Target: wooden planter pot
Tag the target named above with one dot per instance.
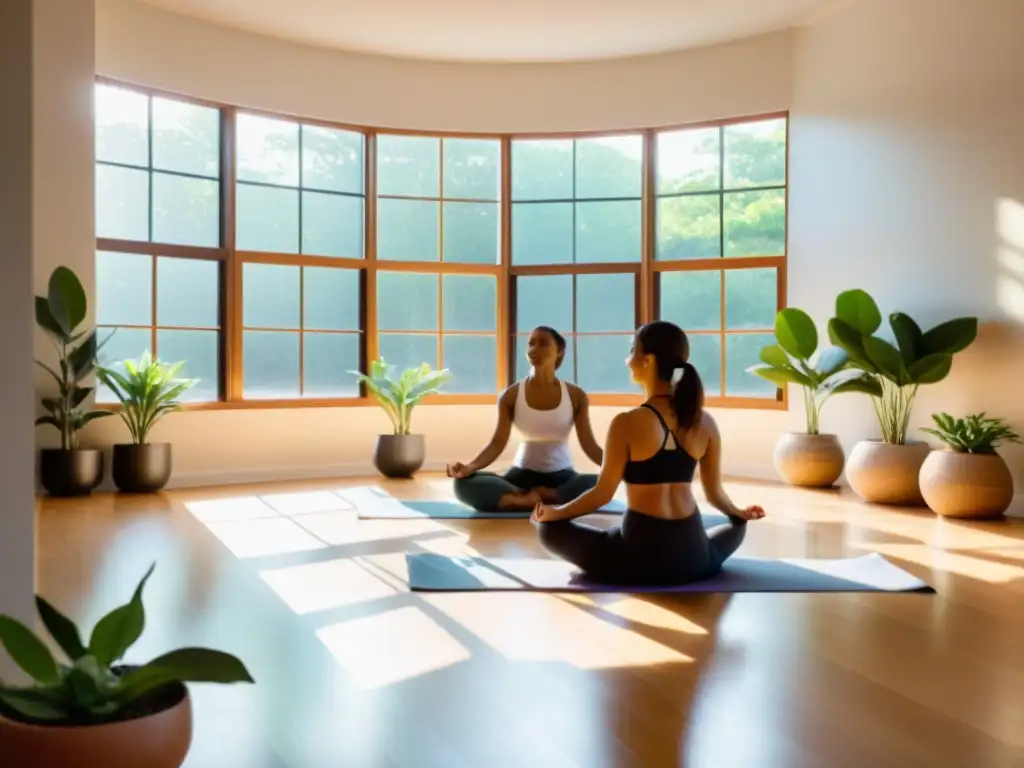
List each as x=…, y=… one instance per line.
x=810, y=461
x=966, y=485
x=884, y=473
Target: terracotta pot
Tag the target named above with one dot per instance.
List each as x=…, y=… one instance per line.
x=966, y=484
x=883, y=473
x=156, y=741
x=810, y=461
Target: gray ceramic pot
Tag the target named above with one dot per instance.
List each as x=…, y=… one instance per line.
x=74, y=472
x=399, y=456
x=141, y=468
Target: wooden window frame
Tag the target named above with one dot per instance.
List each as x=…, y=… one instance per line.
x=646, y=270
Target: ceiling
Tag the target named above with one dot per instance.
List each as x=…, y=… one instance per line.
x=504, y=30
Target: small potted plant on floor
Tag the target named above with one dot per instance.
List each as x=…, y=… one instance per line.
x=968, y=479
x=808, y=458
x=886, y=471
x=148, y=390
x=94, y=711
x=69, y=470
x=400, y=454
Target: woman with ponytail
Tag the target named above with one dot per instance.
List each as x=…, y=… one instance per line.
x=655, y=449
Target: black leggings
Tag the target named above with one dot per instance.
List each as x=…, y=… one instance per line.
x=483, y=490
x=645, y=549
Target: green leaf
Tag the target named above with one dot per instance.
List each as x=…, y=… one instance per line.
x=781, y=376
x=187, y=665
x=950, y=337
x=866, y=385
x=930, y=369
x=28, y=651
x=32, y=704
x=850, y=341
x=61, y=629
x=66, y=299
x=858, y=310
x=53, y=373
x=45, y=319
x=118, y=630
x=796, y=333
x=831, y=360
x=775, y=356
x=887, y=359
x=908, y=336
x=83, y=357
x=50, y=420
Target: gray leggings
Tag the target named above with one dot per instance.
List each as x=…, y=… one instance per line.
x=483, y=490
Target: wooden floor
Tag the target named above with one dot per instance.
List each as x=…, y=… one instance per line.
x=354, y=670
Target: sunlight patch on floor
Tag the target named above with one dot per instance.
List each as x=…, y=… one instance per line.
x=258, y=538
x=228, y=509
x=316, y=587
x=541, y=628
x=959, y=564
x=305, y=503
x=345, y=528
x=636, y=611
x=390, y=647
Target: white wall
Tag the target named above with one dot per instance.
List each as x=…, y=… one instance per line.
x=139, y=44
x=907, y=180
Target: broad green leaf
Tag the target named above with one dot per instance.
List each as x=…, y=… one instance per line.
x=66, y=298
x=28, y=651
x=781, y=376
x=83, y=357
x=61, y=629
x=850, y=341
x=32, y=704
x=908, y=336
x=53, y=373
x=831, y=360
x=886, y=359
x=46, y=320
x=858, y=310
x=950, y=337
x=187, y=665
x=867, y=385
x=774, y=355
x=930, y=369
x=116, y=632
x=50, y=420
x=796, y=333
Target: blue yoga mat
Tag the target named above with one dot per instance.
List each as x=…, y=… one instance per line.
x=378, y=504
x=868, y=573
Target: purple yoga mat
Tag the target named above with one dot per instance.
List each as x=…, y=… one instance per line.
x=868, y=573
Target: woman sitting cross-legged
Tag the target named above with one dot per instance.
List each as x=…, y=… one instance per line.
x=655, y=449
x=544, y=410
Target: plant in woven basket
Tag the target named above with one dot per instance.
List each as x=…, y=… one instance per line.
x=977, y=433
x=93, y=688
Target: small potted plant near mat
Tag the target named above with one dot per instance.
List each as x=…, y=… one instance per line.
x=809, y=458
x=94, y=711
x=69, y=470
x=400, y=454
x=886, y=471
x=148, y=390
x=968, y=478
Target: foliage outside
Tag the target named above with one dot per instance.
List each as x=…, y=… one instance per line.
x=976, y=433
x=148, y=390
x=399, y=397
x=895, y=372
x=789, y=362
x=59, y=314
x=93, y=689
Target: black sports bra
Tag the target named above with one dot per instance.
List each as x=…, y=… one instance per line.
x=668, y=465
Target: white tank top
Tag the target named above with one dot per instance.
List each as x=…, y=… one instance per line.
x=545, y=434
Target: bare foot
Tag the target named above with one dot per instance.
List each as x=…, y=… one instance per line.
x=526, y=500
x=547, y=495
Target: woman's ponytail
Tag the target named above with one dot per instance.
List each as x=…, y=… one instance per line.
x=687, y=396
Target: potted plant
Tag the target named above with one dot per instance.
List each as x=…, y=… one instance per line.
x=808, y=458
x=95, y=712
x=886, y=471
x=148, y=390
x=968, y=479
x=69, y=470
x=400, y=454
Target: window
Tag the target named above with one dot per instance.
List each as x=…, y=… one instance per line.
x=158, y=226
x=577, y=224
x=438, y=216
x=721, y=245
x=273, y=255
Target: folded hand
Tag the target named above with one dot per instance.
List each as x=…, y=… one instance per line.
x=458, y=470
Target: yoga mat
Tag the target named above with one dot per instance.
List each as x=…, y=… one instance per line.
x=868, y=573
x=377, y=504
